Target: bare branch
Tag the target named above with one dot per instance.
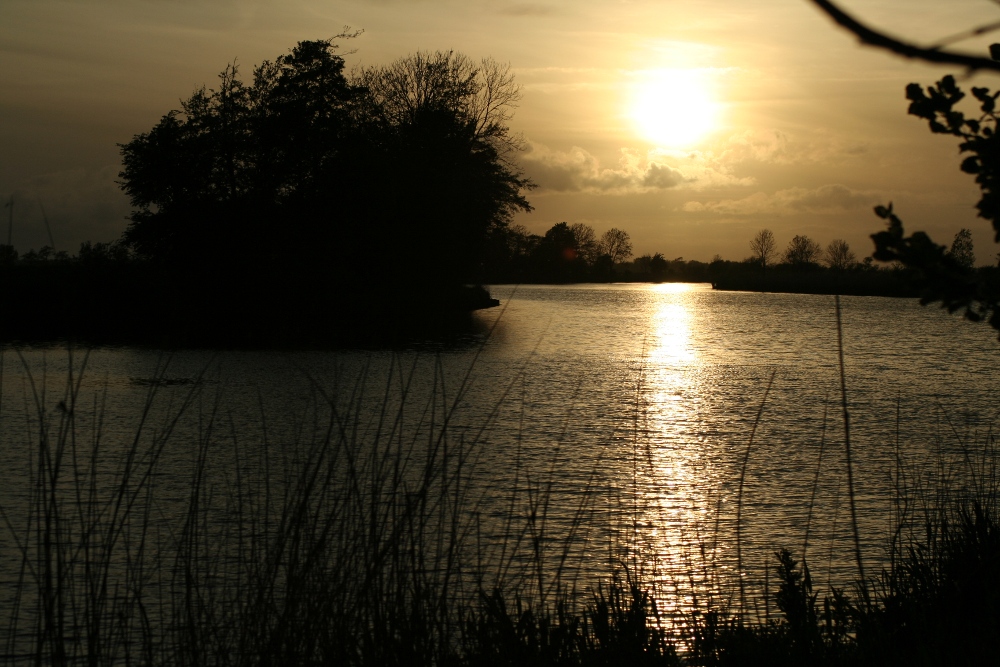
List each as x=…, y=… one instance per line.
x=966, y=34
x=881, y=40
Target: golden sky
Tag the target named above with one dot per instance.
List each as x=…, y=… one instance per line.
x=791, y=125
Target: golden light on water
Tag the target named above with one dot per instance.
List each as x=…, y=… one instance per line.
x=672, y=326
x=670, y=487
x=674, y=108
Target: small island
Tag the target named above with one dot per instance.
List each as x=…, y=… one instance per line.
x=305, y=206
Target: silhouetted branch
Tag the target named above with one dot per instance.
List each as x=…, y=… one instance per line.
x=881, y=40
x=966, y=34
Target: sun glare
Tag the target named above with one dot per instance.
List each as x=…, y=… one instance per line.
x=674, y=108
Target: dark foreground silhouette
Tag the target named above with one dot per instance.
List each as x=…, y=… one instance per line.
x=140, y=303
x=304, y=205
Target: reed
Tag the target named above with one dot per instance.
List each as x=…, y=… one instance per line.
x=367, y=539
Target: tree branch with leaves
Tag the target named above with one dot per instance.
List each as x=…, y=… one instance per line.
x=947, y=277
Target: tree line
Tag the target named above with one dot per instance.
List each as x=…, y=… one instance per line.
x=803, y=252
x=574, y=253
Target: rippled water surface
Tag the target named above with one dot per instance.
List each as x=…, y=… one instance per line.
x=630, y=407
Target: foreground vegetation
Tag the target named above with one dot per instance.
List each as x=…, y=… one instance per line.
x=365, y=541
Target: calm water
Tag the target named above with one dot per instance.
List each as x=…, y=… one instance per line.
x=631, y=405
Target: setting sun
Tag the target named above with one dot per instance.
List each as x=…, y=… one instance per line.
x=674, y=108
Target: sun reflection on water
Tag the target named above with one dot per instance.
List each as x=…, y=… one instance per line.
x=672, y=326
x=673, y=476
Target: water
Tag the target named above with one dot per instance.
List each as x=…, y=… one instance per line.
x=629, y=407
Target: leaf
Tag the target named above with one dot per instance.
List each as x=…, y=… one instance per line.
x=983, y=95
x=915, y=92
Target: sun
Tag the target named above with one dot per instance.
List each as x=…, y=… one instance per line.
x=674, y=108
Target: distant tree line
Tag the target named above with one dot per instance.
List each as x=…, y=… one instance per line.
x=566, y=253
x=805, y=266
x=803, y=252
x=575, y=253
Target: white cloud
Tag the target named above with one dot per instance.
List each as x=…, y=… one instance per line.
x=833, y=198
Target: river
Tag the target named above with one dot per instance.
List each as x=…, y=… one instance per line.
x=647, y=419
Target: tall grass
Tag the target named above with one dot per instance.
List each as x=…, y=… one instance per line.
x=360, y=542
x=367, y=539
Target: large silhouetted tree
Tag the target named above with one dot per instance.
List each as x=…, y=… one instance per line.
x=441, y=121
x=222, y=175
x=560, y=254
x=396, y=171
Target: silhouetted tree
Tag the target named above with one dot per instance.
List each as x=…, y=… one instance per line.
x=562, y=254
x=92, y=253
x=616, y=244
x=802, y=250
x=509, y=254
x=839, y=256
x=448, y=153
x=655, y=266
x=43, y=254
x=763, y=247
x=520, y=242
x=586, y=242
x=483, y=94
x=962, y=250
x=236, y=167
x=402, y=172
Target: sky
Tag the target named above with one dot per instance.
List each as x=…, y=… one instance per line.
x=689, y=124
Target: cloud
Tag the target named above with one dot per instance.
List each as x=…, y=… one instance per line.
x=662, y=176
x=833, y=198
x=774, y=147
x=577, y=170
